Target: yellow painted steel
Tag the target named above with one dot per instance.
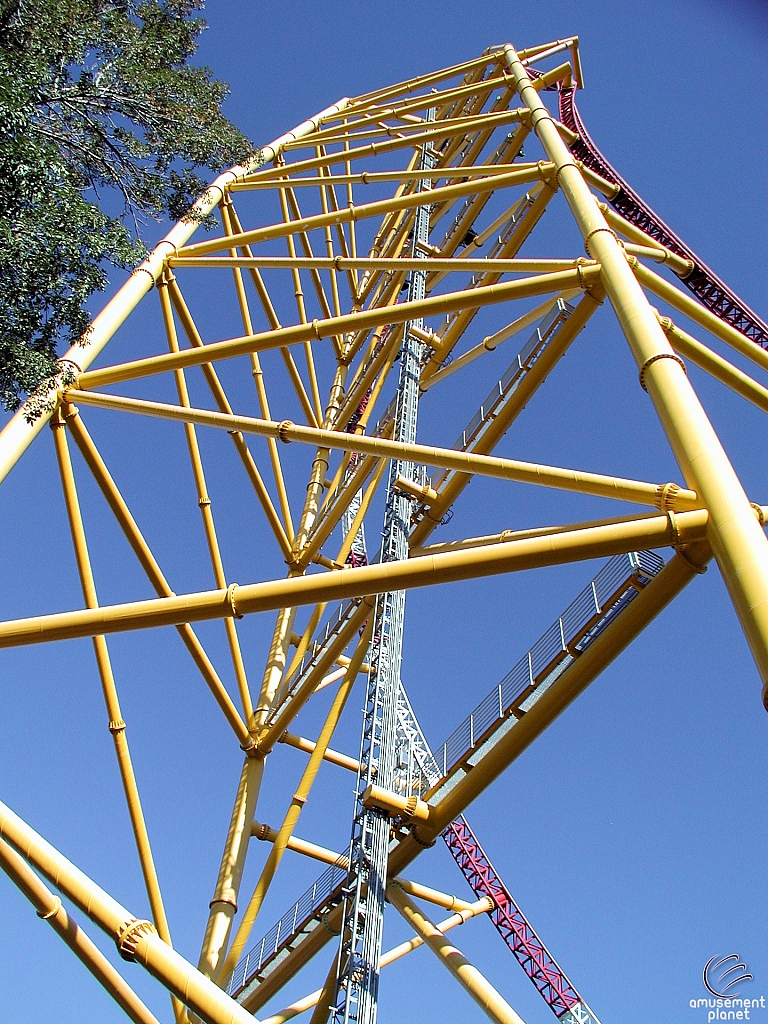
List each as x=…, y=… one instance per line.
x=490, y=1001
x=51, y=909
x=481, y=906
x=445, y=458
x=737, y=540
x=541, y=284
x=298, y=801
x=427, y=570
x=692, y=349
x=136, y=940
x=332, y=756
x=700, y=315
x=676, y=575
x=223, y=906
x=283, y=530
x=339, y=263
x=350, y=326
x=116, y=726
x=267, y=834
x=204, y=504
x=228, y=215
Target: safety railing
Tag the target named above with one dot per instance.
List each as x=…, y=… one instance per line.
x=290, y=924
x=510, y=381
x=315, y=651
x=617, y=583
x=598, y=604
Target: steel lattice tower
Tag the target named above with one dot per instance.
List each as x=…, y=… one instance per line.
x=377, y=241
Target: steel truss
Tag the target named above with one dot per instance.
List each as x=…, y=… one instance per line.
x=379, y=235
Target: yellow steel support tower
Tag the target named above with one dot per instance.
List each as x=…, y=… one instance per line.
x=374, y=256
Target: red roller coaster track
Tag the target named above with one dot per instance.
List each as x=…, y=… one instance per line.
x=703, y=282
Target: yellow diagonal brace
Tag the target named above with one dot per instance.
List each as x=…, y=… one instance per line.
x=540, y=284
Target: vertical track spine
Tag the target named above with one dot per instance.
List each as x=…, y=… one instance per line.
x=360, y=946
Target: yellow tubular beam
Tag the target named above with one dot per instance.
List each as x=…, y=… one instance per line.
x=596, y=180
x=269, y=835
x=204, y=504
x=485, y=995
x=540, y=284
x=332, y=756
x=715, y=365
x=376, y=209
x=285, y=716
x=227, y=215
x=422, y=82
x=446, y=458
x=319, y=472
x=104, y=664
x=689, y=307
x=307, y=249
x=50, y=909
x=737, y=540
x=325, y=997
x=428, y=570
x=539, y=531
x=233, y=228
x=274, y=670
x=492, y=341
x=296, y=806
x=682, y=267
x=246, y=458
x=344, y=263
x=329, y=249
x=562, y=73
x=351, y=249
x=482, y=906
x=147, y=560
x=326, y=179
x=535, y=377
x=425, y=892
x=345, y=249
x=287, y=195
x=137, y=940
x=223, y=906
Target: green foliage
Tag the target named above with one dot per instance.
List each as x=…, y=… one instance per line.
x=103, y=124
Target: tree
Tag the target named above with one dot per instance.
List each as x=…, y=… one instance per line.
x=103, y=124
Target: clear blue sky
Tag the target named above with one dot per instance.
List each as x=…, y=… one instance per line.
x=633, y=832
